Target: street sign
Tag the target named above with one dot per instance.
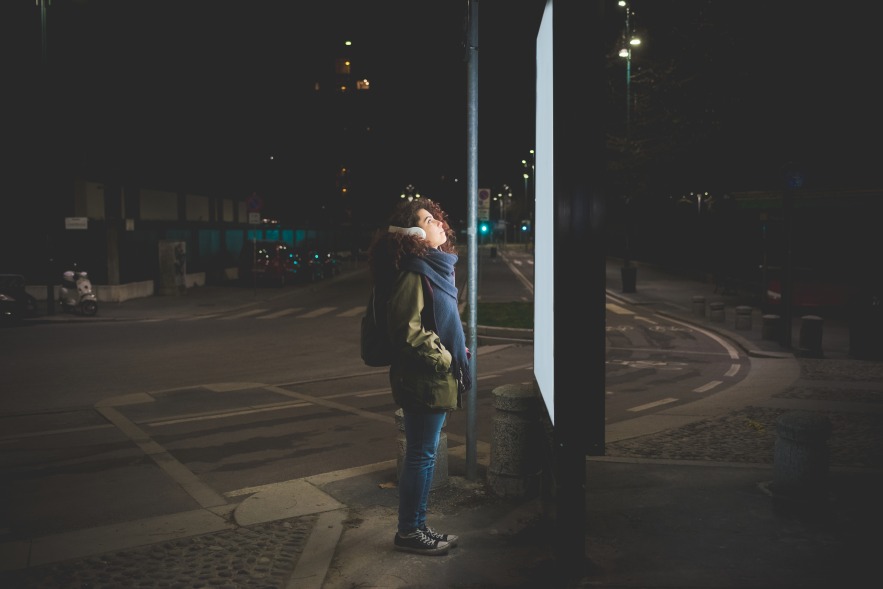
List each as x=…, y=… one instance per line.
x=484, y=204
x=76, y=222
x=254, y=203
x=254, y=218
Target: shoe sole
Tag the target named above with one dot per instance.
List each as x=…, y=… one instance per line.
x=424, y=551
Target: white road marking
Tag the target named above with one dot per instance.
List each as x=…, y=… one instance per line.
x=316, y=313
x=653, y=404
x=281, y=313
x=708, y=386
x=244, y=314
x=225, y=414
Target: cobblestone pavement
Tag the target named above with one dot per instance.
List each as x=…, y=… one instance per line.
x=261, y=556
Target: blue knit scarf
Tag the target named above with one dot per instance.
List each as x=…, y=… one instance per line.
x=438, y=267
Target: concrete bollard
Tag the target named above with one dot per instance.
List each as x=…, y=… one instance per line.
x=699, y=306
x=716, y=312
x=770, y=327
x=743, y=317
x=800, y=478
x=440, y=475
x=810, y=345
x=514, y=469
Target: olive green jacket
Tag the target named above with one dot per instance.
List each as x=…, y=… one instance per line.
x=420, y=374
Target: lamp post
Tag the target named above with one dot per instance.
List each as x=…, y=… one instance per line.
x=628, y=272
x=629, y=41
x=502, y=196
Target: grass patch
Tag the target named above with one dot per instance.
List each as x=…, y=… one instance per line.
x=513, y=314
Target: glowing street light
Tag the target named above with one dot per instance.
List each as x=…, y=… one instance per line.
x=629, y=41
x=410, y=193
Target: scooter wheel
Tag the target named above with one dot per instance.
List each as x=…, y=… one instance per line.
x=89, y=307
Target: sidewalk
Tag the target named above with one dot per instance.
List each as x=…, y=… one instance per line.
x=680, y=500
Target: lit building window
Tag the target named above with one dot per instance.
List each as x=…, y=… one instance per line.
x=363, y=84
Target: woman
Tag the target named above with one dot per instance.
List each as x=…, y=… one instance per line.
x=412, y=265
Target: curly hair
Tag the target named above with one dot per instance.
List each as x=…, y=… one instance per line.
x=387, y=249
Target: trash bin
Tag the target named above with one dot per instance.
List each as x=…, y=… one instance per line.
x=629, y=278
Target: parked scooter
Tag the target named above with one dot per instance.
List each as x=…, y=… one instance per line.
x=75, y=294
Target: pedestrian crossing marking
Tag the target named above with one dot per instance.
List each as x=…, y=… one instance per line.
x=248, y=313
x=354, y=312
x=618, y=310
x=317, y=313
x=281, y=313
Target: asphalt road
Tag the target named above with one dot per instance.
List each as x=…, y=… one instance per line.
x=158, y=407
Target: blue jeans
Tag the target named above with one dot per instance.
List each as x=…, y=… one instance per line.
x=422, y=431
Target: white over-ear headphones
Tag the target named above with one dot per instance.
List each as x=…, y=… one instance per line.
x=418, y=231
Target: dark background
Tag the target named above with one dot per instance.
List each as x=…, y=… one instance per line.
x=200, y=93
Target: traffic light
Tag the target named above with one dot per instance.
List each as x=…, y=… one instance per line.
x=525, y=226
x=484, y=227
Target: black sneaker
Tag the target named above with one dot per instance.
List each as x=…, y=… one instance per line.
x=419, y=543
x=451, y=539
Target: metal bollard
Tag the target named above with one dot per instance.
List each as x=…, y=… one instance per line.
x=717, y=313
x=770, y=327
x=801, y=459
x=440, y=475
x=699, y=305
x=743, y=317
x=514, y=469
x=810, y=345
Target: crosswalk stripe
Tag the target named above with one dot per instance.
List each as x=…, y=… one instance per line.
x=618, y=310
x=281, y=313
x=316, y=313
x=244, y=314
x=354, y=312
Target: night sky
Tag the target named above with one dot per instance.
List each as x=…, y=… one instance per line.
x=208, y=89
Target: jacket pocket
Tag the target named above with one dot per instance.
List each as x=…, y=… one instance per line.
x=427, y=390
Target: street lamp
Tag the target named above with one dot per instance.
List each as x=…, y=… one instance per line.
x=410, y=193
x=528, y=172
x=629, y=41
x=505, y=193
x=699, y=198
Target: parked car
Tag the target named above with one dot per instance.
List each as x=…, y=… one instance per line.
x=322, y=263
x=15, y=302
x=271, y=262
x=331, y=262
x=314, y=262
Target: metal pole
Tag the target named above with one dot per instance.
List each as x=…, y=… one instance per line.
x=472, y=233
x=628, y=72
x=45, y=41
